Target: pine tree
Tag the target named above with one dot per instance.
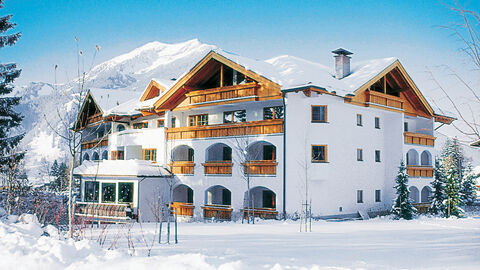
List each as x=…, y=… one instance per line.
x=9, y=118
x=468, y=191
x=452, y=188
x=438, y=194
x=403, y=208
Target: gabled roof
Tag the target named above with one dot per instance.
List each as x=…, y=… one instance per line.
x=154, y=89
x=177, y=90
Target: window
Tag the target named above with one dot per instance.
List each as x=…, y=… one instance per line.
x=359, y=120
x=227, y=153
x=150, y=154
x=405, y=126
x=235, y=116
x=377, y=122
x=268, y=152
x=378, y=195
x=359, y=154
x=161, y=123
x=125, y=192
x=319, y=114
x=174, y=122
x=140, y=125
x=273, y=113
x=319, y=153
x=359, y=196
x=108, y=192
x=117, y=155
x=120, y=127
x=377, y=155
x=90, y=193
x=198, y=120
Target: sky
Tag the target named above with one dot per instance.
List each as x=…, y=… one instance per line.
x=409, y=30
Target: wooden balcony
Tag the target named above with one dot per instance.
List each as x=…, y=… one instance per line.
x=95, y=143
x=384, y=99
x=217, y=211
x=224, y=130
x=260, y=167
x=417, y=138
x=94, y=118
x=218, y=167
x=182, y=167
x=102, y=211
x=419, y=171
x=183, y=209
x=248, y=90
x=422, y=208
x=265, y=213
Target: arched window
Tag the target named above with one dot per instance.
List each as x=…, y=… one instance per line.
x=86, y=157
x=218, y=152
x=426, y=194
x=426, y=158
x=120, y=127
x=261, y=150
x=182, y=153
x=414, y=194
x=412, y=157
x=95, y=156
x=218, y=195
x=183, y=194
x=260, y=197
x=105, y=155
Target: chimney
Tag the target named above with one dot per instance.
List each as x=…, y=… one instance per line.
x=342, y=63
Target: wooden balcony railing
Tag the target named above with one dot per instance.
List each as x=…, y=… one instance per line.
x=420, y=139
x=422, y=208
x=217, y=211
x=182, y=167
x=94, y=118
x=223, y=93
x=260, y=167
x=183, y=209
x=224, y=130
x=102, y=211
x=384, y=99
x=95, y=143
x=419, y=171
x=218, y=167
x=265, y=213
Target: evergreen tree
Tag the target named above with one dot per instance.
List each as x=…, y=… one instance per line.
x=60, y=176
x=438, y=194
x=452, y=188
x=9, y=119
x=402, y=207
x=468, y=192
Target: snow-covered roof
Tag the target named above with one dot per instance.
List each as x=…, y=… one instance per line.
x=137, y=168
x=108, y=98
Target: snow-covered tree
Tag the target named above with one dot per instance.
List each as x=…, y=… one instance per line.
x=438, y=185
x=59, y=174
x=452, y=188
x=468, y=191
x=402, y=207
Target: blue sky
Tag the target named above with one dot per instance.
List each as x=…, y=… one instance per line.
x=256, y=29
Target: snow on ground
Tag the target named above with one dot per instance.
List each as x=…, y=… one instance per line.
x=425, y=243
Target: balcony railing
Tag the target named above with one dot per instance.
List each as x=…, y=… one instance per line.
x=95, y=143
x=384, y=99
x=418, y=138
x=102, y=211
x=223, y=93
x=183, y=209
x=182, y=167
x=218, y=167
x=265, y=213
x=260, y=167
x=224, y=130
x=94, y=118
x=419, y=171
x=217, y=211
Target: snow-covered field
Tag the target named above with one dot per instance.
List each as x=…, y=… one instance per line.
x=425, y=243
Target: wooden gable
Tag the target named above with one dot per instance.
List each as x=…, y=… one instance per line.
x=393, y=89
x=154, y=89
x=90, y=113
x=217, y=80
